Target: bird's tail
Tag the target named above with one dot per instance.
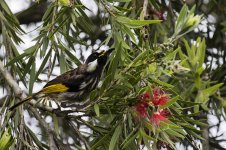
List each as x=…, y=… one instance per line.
x=21, y=102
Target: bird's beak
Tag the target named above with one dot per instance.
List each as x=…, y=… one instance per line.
x=108, y=52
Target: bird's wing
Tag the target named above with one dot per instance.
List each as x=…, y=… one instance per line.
x=69, y=81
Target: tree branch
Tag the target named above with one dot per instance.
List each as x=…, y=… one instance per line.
x=12, y=83
x=145, y=8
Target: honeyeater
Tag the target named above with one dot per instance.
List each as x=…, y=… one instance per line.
x=74, y=85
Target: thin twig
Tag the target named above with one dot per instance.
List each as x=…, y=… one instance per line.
x=145, y=8
x=107, y=9
x=12, y=83
x=21, y=130
x=80, y=136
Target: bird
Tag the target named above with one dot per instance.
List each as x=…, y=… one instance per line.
x=74, y=85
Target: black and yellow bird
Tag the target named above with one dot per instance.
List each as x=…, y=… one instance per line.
x=74, y=85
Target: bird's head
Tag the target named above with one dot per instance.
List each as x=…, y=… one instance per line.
x=97, y=59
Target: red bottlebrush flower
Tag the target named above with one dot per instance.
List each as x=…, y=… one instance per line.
x=141, y=109
x=145, y=97
x=159, y=98
x=156, y=118
x=142, y=105
x=156, y=92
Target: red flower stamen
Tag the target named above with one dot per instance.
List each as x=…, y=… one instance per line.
x=141, y=109
x=156, y=118
x=145, y=97
x=159, y=97
x=142, y=105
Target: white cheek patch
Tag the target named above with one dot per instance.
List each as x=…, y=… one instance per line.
x=92, y=66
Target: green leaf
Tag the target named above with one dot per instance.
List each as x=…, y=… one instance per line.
x=84, y=22
x=115, y=137
x=32, y=78
x=5, y=7
x=195, y=135
x=116, y=59
x=35, y=139
x=135, y=23
x=212, y=90
x=16, y=59
x=6, y=140
x=48, y=12
x=64, y=2
x=174, y=133
x=45, y=45
x=154, y=3
x=59, y=27
x=97, y=110
x=186, y=125
x=187, y=102
x=170, y=102
x=181, y=19
x=201, y=51
x=143, y=22
x=72, y=57
x=129, y=139
x=101, y=141
x=43, y=64
x=130, y=33
x=172, y=55
x=203, y=95
x=63, y=65
x=198, y=122
x=106, y=83
x=123, y=19
x=161, y=82
x=56, y=124
x=28, y=66
x=168, y=139
x=144, y=135
x=140, y=57
x=186, y=22
x=27, y=52
x=93, y=95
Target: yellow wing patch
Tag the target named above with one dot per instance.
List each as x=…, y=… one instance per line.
x=55, y=88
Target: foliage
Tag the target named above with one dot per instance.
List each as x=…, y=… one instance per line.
x=154, y=57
